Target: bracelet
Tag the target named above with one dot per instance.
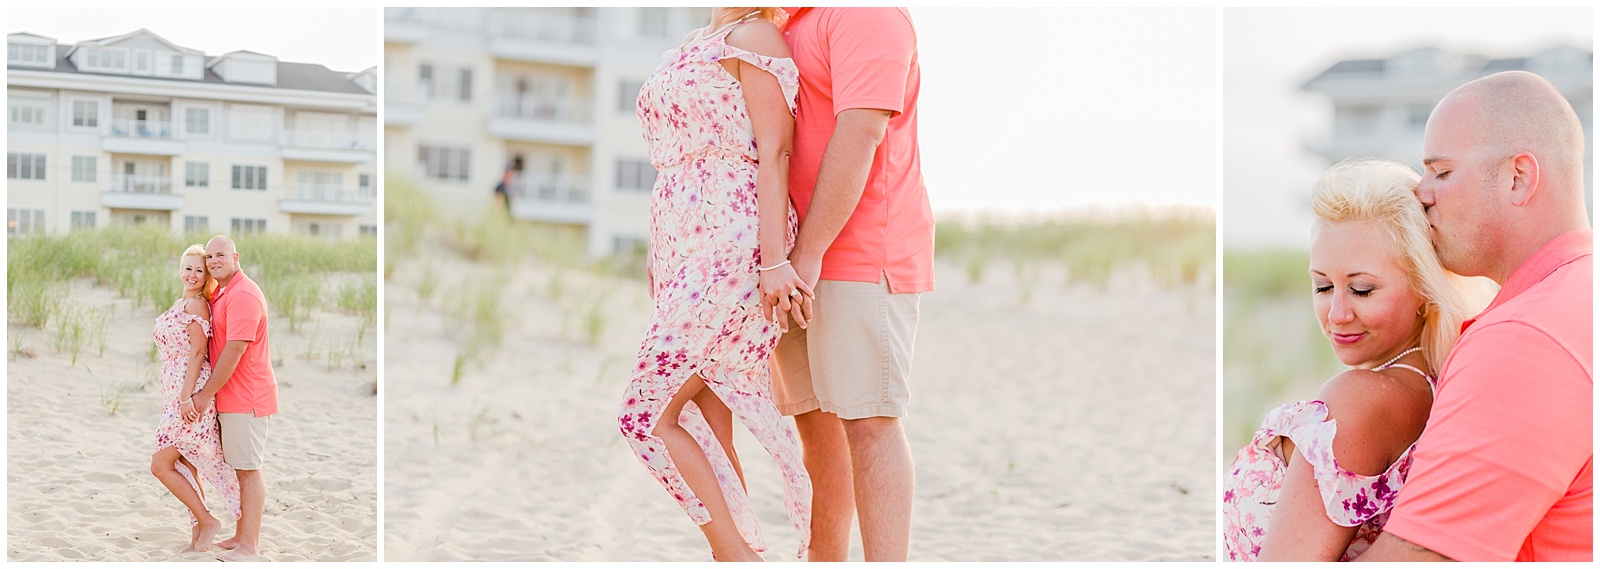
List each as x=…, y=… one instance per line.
x=189, y=400
x=765, y=269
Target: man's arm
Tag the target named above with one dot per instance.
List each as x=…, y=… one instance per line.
x=221, y=371
x=1390, y=547
x=846, y=163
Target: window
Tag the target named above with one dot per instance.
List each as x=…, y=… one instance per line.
x=84, y=168
x=628, y=96
x=635, y=175
x=197, y=121
x=34, y=55
x=444, y=163
x=197, y=174
x=248, y=226
x=195, y=223
x=141, y=61
x=425, y=79
x=249, y=177
x=319, y=229
x=465, y=91
x=24, y=221
x=176, y=62
x=110, y=59
x=24, y=166
x=369, y=230
x=26, y=111
x=86, y=113
x=82, y=221
x=364, y=186
x=653, y=22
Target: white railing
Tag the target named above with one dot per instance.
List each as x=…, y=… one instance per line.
x=547, y=109
x=550, y=189
x=135, y=128
x=545, y=26
x=325, y=139
x=327, y=193
x=141, y=184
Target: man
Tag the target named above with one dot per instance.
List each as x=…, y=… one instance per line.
x=243, y=388
x=866, y=247
x=1503, y=470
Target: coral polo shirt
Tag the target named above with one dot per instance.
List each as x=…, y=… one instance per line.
x=864, y=58
x=239, y=312
x=1503, y=470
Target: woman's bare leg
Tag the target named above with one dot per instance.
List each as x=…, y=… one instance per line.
x=164, y=465
x=720, y=418
x=722, y=533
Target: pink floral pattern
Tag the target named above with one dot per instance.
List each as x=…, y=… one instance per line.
x=1255, y=480
x=200, y=443
x=704, y=254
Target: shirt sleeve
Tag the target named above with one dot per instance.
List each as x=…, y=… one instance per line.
x=244, y=317
x=870, y=52
x=1508, y=434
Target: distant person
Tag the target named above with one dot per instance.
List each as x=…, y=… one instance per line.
x=1317, y=481
x=866, y=245
x=1504, y=470
x=718, y=121
x=188, y=448
x=243, y=389
x=508, y=179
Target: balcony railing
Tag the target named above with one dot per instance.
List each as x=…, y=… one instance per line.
x=545, y=26
x=135, y=128
x=325, y=140
x=543, y=109
x=141, y=184
x=328, y=194
x=551, y=189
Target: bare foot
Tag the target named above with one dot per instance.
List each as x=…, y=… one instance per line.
x=194, y=535
x=206, y=531
x=229, y=543
x=239, y=554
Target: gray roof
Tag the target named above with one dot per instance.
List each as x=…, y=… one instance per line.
x=299, y=76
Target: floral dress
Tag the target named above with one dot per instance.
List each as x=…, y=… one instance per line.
x=1255, y=480
x=200, y=442
x=704, y=254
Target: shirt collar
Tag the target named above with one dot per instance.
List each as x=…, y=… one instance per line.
x=1554, y=254
x=794, y=14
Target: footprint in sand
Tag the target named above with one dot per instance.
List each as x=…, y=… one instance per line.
x=105, y=477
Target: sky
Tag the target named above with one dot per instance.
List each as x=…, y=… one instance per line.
x=343, y=39
x=1268, y=53
x=1045, y=109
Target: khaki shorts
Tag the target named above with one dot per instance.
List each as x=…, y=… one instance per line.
x=244, y=440
x=854, y=358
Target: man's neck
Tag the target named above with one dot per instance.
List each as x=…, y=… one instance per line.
x=224, y=282
x=1517, y=256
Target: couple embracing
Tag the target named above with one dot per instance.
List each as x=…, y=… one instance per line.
x=1453, y=436
x=791, y=237
x=217, y=394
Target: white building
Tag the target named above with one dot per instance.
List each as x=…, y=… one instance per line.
x=468, y=90
x=1380, y=106
x=134, y=129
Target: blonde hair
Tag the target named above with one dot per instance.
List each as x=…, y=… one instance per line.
x=209, y=286
x=1382, y=192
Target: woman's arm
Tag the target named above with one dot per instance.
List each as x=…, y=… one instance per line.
x=774, y=132
x=198, y=342
x=1376, y=421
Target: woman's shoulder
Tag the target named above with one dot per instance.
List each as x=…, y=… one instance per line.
x=760, y=37
x=1378, y=415
x=197, y=307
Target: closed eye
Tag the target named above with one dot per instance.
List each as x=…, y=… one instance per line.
x=1323, y=289
x=1361, y=292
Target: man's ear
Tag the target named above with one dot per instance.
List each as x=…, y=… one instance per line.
x=1524, y=178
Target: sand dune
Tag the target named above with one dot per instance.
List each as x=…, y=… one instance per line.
x=1080, y=426
x=78, y=483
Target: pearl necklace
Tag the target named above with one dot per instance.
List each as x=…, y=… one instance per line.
x=1397, y=358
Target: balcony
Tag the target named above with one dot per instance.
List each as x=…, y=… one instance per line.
x=551, y=121
x=403, y=25
x=551, y=199
x=403, y=107
x=133, y=136
x=544, y=36
x=322, y=199
x=141, y=192
x=327, y=146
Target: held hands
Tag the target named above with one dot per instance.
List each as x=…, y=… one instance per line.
x=783, y=292
x=201, y=403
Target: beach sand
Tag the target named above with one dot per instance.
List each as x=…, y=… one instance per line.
x=1078, y=426
x=78, y=481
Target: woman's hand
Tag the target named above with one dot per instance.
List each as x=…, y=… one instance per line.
x=187, y=411
x=778, y=298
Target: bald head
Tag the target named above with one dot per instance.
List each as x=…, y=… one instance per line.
x=222, y=259
x=1517, y=111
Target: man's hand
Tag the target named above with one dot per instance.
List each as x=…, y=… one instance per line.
x=202, y=404
x=1390, y=547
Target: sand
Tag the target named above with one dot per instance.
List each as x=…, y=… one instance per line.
x=78, y=481
x=1077, y=426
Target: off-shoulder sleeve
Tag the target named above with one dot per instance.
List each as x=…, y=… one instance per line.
x=205, y=323
x=782, y=68
x=1350, y=499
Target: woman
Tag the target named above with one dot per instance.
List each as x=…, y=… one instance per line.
x=1319, y=478
x=718, y=116
x=186, y=450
